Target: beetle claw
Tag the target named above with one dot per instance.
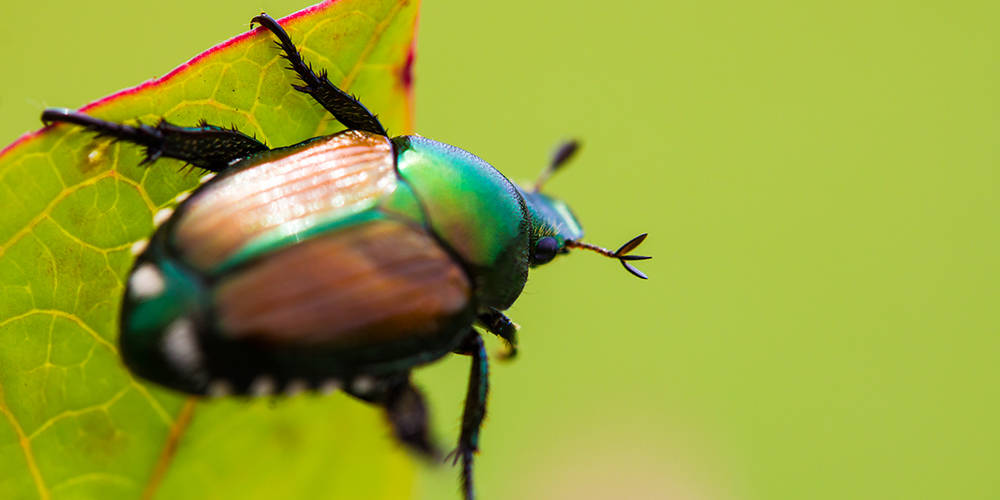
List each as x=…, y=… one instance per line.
x=457, y=454
x=508, y=354
x=453, y=457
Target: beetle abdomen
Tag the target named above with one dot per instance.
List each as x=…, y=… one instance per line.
x=370, y=284
x=283, y=196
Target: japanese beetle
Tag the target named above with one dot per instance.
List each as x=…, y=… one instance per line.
x=343, y=261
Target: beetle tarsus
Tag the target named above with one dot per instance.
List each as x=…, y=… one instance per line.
x=206, y=146
x=346, y=109
x=475, y=408
x=508, y=354
x=500, y=325
x=468, y=489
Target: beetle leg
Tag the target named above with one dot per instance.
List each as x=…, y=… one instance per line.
x=206, y=146
x=408, y=414
x=500, y=325
x=404, y=406
x=475, y=408
x=346, y=109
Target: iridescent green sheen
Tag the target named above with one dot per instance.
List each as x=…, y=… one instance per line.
x=278, y=239
x=402, y=203
x=472, y=207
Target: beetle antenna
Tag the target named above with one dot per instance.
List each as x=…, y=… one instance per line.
x=622, y=254
x=560, y=156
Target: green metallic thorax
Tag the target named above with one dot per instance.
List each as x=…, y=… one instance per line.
x=475, y=210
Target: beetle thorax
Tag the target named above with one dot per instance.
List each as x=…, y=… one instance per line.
x=478, y=213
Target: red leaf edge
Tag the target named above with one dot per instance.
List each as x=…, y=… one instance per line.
x=234, y=41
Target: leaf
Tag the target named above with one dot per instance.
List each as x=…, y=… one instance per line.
x=73, y=422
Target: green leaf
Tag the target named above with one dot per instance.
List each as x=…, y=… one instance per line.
x=73, y=421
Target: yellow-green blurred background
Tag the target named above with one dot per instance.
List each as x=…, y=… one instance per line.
x=819, y=185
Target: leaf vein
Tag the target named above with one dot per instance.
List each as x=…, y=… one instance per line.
x=29, y=456
x=78, y=241
x=54, y=419
x=93, y=477
x=157, y=407
x=63, y=314
x=48, y=209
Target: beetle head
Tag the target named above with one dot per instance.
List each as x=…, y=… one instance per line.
x=554, y=228
x=553, y=225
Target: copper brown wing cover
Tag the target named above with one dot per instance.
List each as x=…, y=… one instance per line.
x=282, y=192
x=372, y=283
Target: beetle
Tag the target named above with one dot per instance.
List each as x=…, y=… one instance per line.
x=341, y=262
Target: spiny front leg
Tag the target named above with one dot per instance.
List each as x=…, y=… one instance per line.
x=206, y=146
x=346, y=109
x=500, y=325
x=475, y=409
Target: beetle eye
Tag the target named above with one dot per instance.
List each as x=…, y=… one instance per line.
x=545, y=250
